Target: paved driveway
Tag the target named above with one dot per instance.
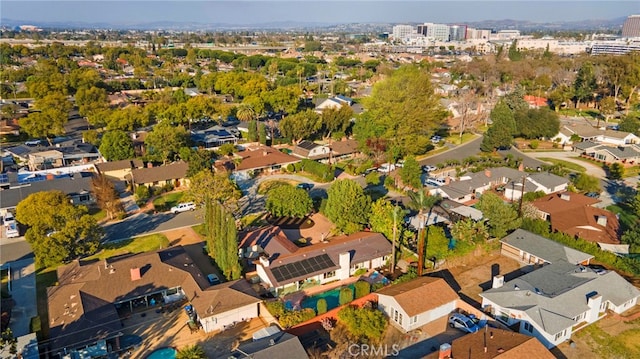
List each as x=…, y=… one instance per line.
x=23, y=291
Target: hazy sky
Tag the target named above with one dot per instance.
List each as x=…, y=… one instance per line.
x=326, y=11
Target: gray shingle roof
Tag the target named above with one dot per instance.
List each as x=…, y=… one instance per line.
x=586, y=145
x=544, y=248
x=554, y=294
x=78, y=183
x=621, y=152
x=277, y=346
x=549, y=180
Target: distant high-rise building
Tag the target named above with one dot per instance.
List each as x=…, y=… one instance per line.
x=457, y=32
x=631, y=27
x=434, y=31
x=400, y=32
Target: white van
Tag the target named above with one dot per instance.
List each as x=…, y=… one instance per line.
x=183, y=207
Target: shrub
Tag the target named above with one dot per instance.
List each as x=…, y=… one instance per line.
x=291, y=318
x=360, y=271
x=346, y=295
x=534, y=144
x=321, y=306
x=291, y=167
x=373, y=178
x=143, y=193
x=362, y=288
x=363, y=322
x=389, y=182
x=323, y=172
x=35, y=325
x=276, y=308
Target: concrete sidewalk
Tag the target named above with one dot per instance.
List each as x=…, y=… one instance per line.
x=23, y=291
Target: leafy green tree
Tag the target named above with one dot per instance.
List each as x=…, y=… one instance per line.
x=362, y=288
x=191, y=351
x=500, y=133
x=116, y=145
x=106, y=196
x=301, y=125
x=206, y=187
x=336, y=120
x=129, y=118
x=321, y=306
x=402, y=110
x=537, y=123
x=165, y=141
x=347, y=206
x=54, y=112
x=515, y=101
x=372, y=178
x=58, y=230
x=288, y=201
x=470, y=231
x=93, y=104
x=346, y=295
x=616, y=171
x=514, y=54
x=363, y=323
x=607, y=107
x=631, y=124
x=262, y=133
x=410, y=172
x=585, y=83
x=245, y=113
x=381, y=218
x=500, y=216
x=283, y=98
x=586, y=183
x=252, y=133
x=198, y=160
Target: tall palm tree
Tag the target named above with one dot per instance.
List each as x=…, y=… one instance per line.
x=423, y=202
x=245, y=113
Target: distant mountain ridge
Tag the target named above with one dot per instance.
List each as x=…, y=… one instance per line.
x=591, y=24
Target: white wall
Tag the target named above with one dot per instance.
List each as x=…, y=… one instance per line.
x=387, y=304
x=624, y=306
x=218, y=321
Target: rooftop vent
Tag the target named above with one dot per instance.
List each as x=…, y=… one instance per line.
x=565, y=196
x=515, y=287
x=602, y=220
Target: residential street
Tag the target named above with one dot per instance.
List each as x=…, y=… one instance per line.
x=23, y=291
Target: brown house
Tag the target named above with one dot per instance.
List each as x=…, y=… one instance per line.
x=119, y=169
x=174, y=174
x=91, y=298
x=258, y=159
x=493, y=343
x=574, y=214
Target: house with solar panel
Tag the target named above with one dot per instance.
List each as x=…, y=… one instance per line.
x=213, y=137
x=280, y=264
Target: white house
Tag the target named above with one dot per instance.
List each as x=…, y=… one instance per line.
x=281, y=264
x=412, y=304
x=561, y=297
x=536, y=182
x=311, y=150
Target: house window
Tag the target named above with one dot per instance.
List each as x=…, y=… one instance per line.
x=357, y=266
x=528, y=327
x=84, y=198
x=413, y=320
x=603, y=306
x=329, y=274
x=397, y=317
x=580, y=317
x=560, y=335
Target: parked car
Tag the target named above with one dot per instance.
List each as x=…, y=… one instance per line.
x=12, y=230
x=428, y=168
x=462, y=322
x=437, y=182
x=598, y=269
x=183, y=207
x=386, y=167
x=436, y=139
x=8, y=218
x=213, y=279
x=400, y=164
x=593, y=194
x=305, y=186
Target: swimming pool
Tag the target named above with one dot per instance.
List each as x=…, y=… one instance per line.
x=331, y=296
x=163, y=353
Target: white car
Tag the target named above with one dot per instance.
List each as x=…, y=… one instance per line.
x=8, y=218
x=386, y=167
x=436, y=139
x=428, y=168
x=183, y=207
x=12, y=230
x=437, y=182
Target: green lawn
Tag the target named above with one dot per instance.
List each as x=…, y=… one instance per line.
x=455, y=138
x=631, y=171
x=97, y=213
x=199, y=228
x=45, y=277
x=132, y=245
x=623, y=345
x=265, y=186
x=168, y=200
x=566, y=164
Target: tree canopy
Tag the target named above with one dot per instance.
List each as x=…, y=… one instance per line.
x=347, y=206
x=54, y=112
x=503, y=127
x=165, y=141
x=500, y=216
x=402, y=110
x=116, y=145
x=301, y=125
x=411, y=172
x=58, y=230
x=288, y=201
x=537, y=123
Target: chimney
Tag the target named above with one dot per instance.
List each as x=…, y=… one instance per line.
x=602, y=220
x=264, y=153
x=149, y=165
x=521, y=167
x=565, y=196
x=447, y=180
x=264, y=261
x=135, y=274
x=445, y=351
x=487, y=173
x=272, y=342
x=498, y=281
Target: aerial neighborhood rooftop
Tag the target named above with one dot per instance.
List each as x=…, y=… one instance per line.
x=419, y=190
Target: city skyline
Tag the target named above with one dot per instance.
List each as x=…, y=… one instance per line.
x=313, y=12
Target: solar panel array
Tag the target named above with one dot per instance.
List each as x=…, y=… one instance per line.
x=302, y=268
